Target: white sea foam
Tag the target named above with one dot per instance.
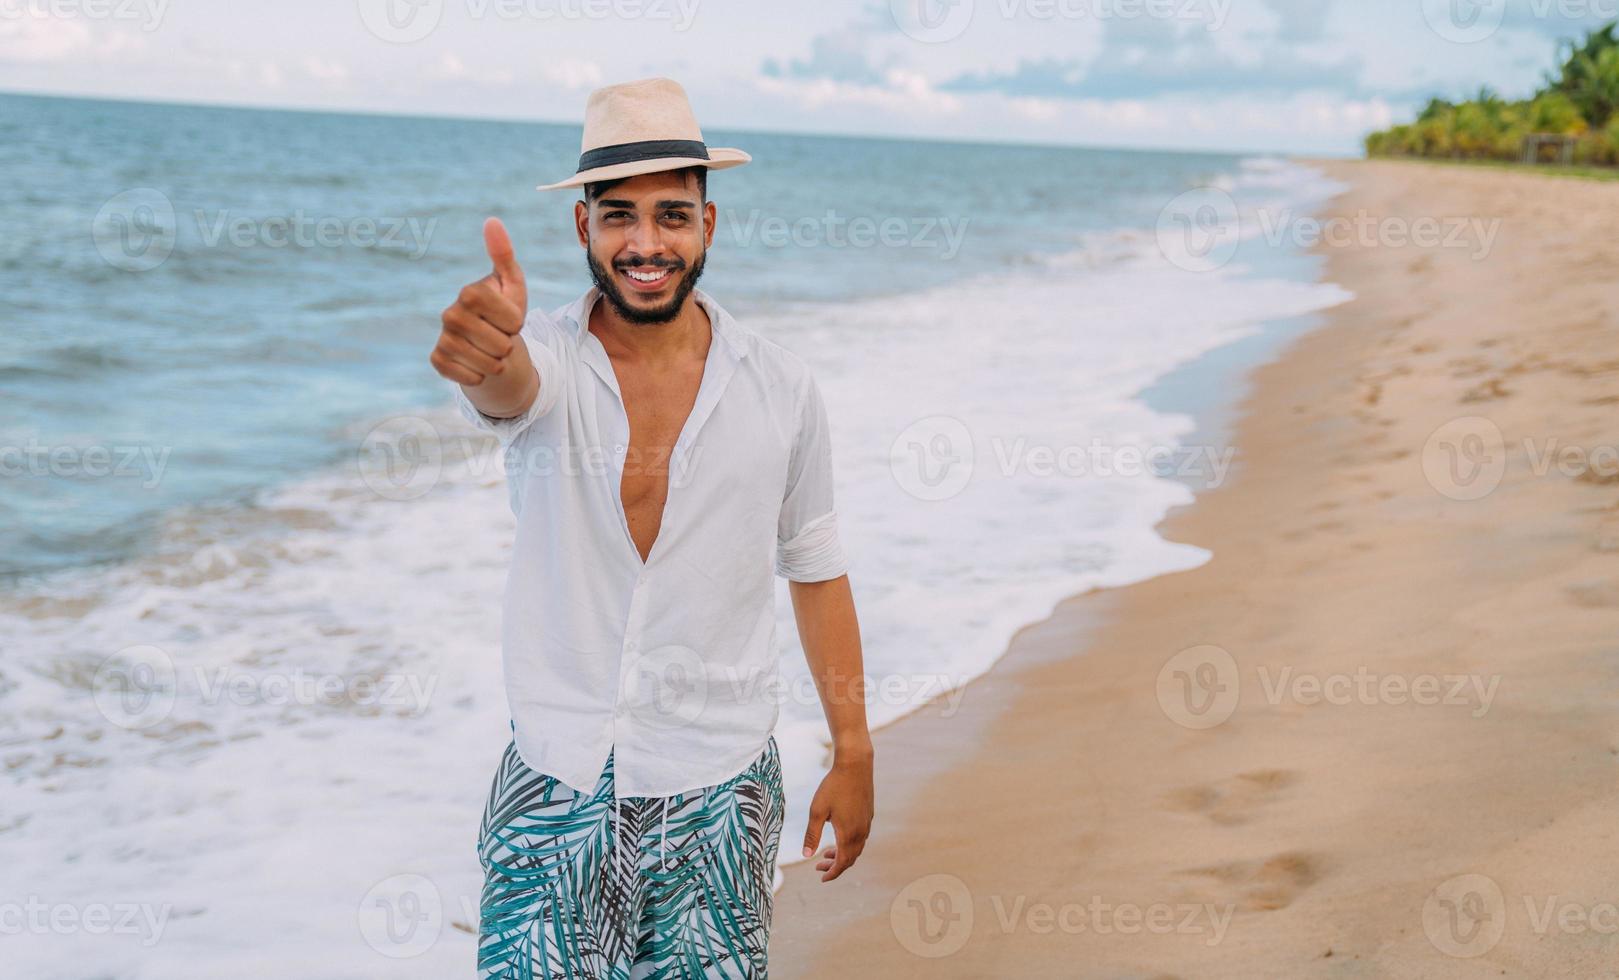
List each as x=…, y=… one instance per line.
x=279, y=835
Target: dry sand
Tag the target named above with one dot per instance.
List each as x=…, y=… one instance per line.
x=1065, y=824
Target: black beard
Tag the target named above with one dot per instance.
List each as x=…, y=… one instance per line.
x=608, y=284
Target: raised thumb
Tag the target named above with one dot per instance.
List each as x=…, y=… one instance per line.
x=499, y=245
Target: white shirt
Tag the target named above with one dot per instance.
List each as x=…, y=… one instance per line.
x=671, y=663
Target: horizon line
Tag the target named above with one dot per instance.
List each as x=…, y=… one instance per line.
x=828, y=134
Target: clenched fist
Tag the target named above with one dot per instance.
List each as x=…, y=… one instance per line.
x=479, y=346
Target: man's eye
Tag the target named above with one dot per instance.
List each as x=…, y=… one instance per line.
x=674, y=216
x=617, y=214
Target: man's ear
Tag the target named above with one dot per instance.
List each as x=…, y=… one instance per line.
x=581, y=223
x=711, y=216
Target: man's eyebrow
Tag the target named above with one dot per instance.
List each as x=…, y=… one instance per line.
x=616, y=202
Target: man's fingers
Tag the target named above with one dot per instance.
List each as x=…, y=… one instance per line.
x=812, y=836
x=458, y=373
x=449, y=354
x=498, y=244
x=843, y=857
x=465, y=354
x=845, y=849
x=480, y=333
x=485, y=299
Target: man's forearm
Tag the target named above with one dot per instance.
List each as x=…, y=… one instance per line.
x=509, y=393
x=830, y=632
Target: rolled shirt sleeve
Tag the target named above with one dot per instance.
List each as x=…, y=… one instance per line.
x=543, y=336
x=807, y=545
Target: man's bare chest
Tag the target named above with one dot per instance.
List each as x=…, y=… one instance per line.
x=657, y=405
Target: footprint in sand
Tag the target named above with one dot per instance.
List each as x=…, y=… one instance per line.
x=1488, y=391
x=1258, y=886
x=1595, y=595
x=1233, y=801
x=1322, y=528
x=1591, y=369
x=1603, y=472
x=1468, y=367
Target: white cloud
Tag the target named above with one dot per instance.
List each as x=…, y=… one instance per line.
x=571, y=73
x=449, y=68
x=333, y=73
x=1269, y=122
x=1035, y=110
x=64, y=40
x=1124, y=116
x=901, y=91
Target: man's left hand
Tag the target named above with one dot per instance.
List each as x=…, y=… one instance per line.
x=845, y=797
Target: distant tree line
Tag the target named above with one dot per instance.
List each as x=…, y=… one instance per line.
x=1578, y=101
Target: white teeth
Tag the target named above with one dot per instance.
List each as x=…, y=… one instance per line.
x=646, y=276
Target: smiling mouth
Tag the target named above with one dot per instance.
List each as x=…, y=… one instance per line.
x=648, y=279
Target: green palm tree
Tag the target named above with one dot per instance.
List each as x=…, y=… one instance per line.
x=1554, y=112
x=1590, y=74
x=1436, y=108
x=1581, y=99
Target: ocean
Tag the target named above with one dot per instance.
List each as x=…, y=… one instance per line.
x=251, y=560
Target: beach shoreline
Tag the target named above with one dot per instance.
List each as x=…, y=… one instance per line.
x=1436, y=454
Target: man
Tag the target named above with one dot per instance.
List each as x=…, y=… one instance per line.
x=662, y=462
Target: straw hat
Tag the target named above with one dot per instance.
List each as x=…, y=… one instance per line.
x=641, y=128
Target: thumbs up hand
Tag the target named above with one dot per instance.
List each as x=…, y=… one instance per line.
x=508, y=275
x=479, y=345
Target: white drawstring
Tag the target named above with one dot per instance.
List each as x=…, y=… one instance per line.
x=663, y=843
x=618, y=847
x=616, y=823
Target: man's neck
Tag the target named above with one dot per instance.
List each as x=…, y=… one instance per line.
x=687, y=335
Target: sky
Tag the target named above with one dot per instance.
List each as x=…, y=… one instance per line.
x=1302, y=76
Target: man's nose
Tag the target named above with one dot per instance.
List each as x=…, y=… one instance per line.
x=646, y=238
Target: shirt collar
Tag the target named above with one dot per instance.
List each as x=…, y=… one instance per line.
x=727, y=329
